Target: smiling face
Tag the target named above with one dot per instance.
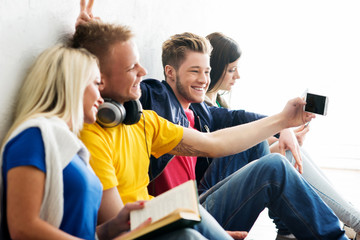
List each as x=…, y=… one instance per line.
x=92, y=98
x=191, y=80
x=123, y=73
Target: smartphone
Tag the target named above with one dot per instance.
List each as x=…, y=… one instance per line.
x=316, y=104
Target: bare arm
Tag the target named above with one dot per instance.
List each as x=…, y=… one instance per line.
x=239, y=138
x=28, y=183
x=111, y=204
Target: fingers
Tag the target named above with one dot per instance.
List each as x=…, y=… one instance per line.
x=282, y=150
x=82, y=19
x=298, y=101
x=123, y=216
x=82, y=5
x=89, y=6
x=309, y=117
x=282, y=144
x=299, y=129
x=86, y=15
x=144, y=224
x=135, y=205
x=301, y=132
x=298, y=160
x=125, y=211
x=86, y=8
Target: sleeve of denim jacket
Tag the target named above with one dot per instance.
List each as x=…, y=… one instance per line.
x=144, y=98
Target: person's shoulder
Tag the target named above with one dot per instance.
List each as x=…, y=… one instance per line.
x=150, y=114
x=153, y=84
x=94, y=129
x=27, y=138
x=208, y=101
x=151, y=81
x=91, y=127
x=155, y=119
x=201, y=108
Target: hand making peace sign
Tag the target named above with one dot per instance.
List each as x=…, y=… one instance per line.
x=86, y=13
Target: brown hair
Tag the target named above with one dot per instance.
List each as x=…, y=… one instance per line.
x=174, y=49
x=98, y=38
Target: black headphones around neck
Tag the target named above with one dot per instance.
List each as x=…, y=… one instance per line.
x=112, y=113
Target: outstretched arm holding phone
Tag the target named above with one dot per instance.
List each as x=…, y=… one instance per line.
x=236, y=139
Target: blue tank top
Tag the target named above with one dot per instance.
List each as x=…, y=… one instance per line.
x=82, y=189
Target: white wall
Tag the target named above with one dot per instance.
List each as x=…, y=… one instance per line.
x=29, y=26
x=287, y=46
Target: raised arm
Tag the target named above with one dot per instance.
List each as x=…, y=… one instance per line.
x=239, y=138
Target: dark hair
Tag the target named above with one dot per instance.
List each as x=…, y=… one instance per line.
x=225, y=51
x=98, y=38
x=174, y=49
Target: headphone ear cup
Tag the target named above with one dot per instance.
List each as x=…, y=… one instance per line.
x=110, y=114
x=133, y=112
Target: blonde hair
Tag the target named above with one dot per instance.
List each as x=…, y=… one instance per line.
x=55, y=86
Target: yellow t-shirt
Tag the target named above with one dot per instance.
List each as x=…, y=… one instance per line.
x=119, y=156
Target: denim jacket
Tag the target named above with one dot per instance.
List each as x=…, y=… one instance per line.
x=158, y=96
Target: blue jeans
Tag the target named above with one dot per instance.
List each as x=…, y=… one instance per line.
x=181, y=234
x=271, y=182
x=221, y=168
x=209, y=227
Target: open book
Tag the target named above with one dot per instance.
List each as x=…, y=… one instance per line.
x=174, y=209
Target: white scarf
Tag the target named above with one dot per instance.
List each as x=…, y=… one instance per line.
x=61, y=145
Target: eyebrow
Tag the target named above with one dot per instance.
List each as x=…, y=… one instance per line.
x=130, y=66
x=197, y=67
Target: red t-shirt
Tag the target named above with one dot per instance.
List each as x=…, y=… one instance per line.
x=179, y=170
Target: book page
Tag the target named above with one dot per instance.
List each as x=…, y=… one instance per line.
x=182, y=197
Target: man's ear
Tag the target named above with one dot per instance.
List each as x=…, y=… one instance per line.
x=170, y=73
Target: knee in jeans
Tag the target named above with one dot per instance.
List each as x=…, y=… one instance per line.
x=276, y=161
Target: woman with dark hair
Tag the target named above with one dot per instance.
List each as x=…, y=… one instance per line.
x=224, y=72
x=224, y=68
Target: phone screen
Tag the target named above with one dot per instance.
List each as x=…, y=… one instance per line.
x=315, y=104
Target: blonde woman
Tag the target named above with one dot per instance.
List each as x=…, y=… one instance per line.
x=48, y=189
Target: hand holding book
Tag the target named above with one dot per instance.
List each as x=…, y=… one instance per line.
x=174, y=209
